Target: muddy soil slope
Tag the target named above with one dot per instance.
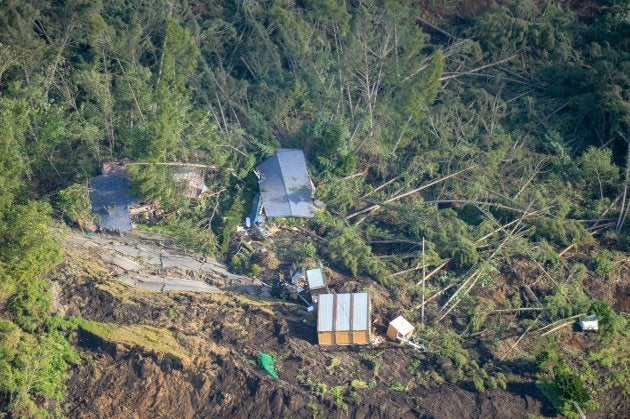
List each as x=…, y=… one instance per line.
x=214, y=371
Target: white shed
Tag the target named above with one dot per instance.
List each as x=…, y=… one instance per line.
x=399, y=327
x=316, y=283
x=589, y=323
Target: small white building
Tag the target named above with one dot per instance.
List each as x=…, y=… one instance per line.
x=400, y=327
x=589, y=323
x=316, y=283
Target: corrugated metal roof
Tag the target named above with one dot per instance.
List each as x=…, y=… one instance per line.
x=355, y=307
x=325, y=313
x=361, y=311
x=402, y=325
x=285, y=185
x=111, y=196
x=343, y=312
x=315, y=278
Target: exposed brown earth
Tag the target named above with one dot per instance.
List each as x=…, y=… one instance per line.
x=222, y=335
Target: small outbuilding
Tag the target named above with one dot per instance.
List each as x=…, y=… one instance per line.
x=285, y=186
x=344, y=319
x=589, y=323
x=316, y=283
x=400, y=328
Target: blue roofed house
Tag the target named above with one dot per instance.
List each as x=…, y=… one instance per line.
x=285, y=186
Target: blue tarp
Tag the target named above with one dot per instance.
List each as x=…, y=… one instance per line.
x=111, y=196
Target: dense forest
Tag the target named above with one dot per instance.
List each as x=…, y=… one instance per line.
x=498, y=131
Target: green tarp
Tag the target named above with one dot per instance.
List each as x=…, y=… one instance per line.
x=267, y=362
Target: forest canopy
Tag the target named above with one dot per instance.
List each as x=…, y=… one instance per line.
x=495, y=135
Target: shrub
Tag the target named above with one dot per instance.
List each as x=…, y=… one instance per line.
x=603, y=263
x=478, y=384
x=334, y=363
x=74, y=203
x=610, y=323
x=567, y=300
x=501, y=380
x=571, y=386
x=348, y=250
x=359, y=384
x=397, y=386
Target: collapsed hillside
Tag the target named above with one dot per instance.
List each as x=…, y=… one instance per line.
x=494, y=134
x=211, y=367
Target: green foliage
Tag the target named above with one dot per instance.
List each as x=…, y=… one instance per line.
x=334, y=363
x=153, y=182
x=33, y=366
x=359, y=384
x=397, y=386
x=328, y=142
x=34, y=352
x=561, y=232
x=571, y=386
x=501, y=380
x=598, y=171
x=232, y=218
x=357, y=85
x=191, y=235
x=348, y=250
x=13, y=123
x=537, y=28
x=609, y=322
x=568, y=299
x=560, y=384
x=74, y=202
x=478, y=384
x=372, y=360
x=603, y=263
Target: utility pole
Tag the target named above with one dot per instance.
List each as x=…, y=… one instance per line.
x=424, y=269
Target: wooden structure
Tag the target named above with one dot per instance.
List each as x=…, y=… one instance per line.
x=344, y=319
x=400, y=328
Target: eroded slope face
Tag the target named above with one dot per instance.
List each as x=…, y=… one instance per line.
x=195, y=354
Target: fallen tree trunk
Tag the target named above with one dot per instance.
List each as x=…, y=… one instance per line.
x=518, y=310
x=397, y=197
x=520, y=338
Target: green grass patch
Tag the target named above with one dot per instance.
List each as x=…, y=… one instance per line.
x=150, y=338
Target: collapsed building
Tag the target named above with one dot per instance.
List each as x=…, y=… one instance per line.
x=285, y=187
x=111, y=196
